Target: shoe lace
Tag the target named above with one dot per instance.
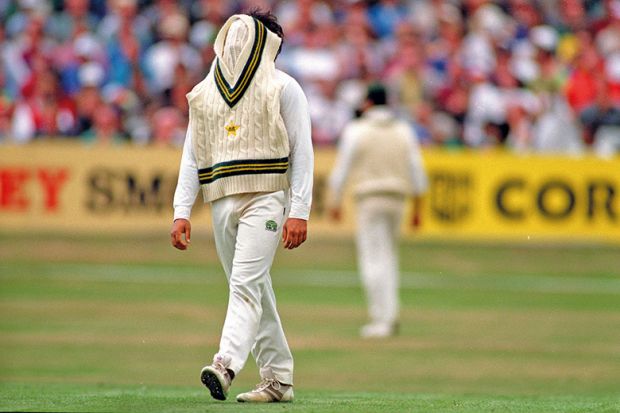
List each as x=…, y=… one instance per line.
x=220, y=366
x=268, y=382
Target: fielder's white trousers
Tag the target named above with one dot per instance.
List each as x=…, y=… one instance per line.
x=378, y=226
x=246, y=242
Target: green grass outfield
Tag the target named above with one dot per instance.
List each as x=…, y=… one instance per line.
x=125, y=324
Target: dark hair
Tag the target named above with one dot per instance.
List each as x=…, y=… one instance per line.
x=270, y=21
x=377, y=94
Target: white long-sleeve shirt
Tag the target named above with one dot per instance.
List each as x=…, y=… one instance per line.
x=296, y=116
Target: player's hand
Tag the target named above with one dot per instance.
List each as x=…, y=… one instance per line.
x=415, y=221
x=294, y=232
x=335, y=214
x=180, y=233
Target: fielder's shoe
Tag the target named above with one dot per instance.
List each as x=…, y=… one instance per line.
x=379, y=330
x=268, y=391
x=217, y=377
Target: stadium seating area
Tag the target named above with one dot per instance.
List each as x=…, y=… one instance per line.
x=532, y=75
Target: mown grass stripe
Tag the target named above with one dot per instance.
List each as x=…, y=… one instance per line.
x=163, y=274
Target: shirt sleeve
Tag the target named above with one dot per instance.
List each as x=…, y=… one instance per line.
x=187, y=185
x=296, y=116
x=342, y=167
x=418, y=173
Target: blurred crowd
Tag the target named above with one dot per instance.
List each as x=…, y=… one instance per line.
x=530, y=75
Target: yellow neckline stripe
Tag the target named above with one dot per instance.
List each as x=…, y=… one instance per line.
x=233, y=94
x=242, y=167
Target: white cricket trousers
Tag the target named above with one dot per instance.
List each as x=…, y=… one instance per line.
x=378, y=226
x=246, y=240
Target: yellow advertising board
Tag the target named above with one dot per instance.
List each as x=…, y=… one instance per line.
x=501, y=195
x=472, y=195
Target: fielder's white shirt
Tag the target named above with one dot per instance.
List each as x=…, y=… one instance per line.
x=296, y=116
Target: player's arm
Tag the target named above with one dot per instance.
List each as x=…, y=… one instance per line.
x=340, y=173
x=418, y=178
x=296, y=116
x=184, y=196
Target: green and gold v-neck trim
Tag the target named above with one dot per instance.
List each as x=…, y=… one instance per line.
x=233, y=94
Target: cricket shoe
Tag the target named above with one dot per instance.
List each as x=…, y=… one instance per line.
x=269, y=390
x=217, y=377
x=379, y=330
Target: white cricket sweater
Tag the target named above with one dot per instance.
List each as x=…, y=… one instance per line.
x=240, y=141
x=381, y=155
x=296, y=117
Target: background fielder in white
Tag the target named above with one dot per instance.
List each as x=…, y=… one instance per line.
x=381, y=156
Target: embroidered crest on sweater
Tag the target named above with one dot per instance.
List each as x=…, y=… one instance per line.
x=232, y=128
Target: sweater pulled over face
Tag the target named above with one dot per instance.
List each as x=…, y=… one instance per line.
x=239, y=138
